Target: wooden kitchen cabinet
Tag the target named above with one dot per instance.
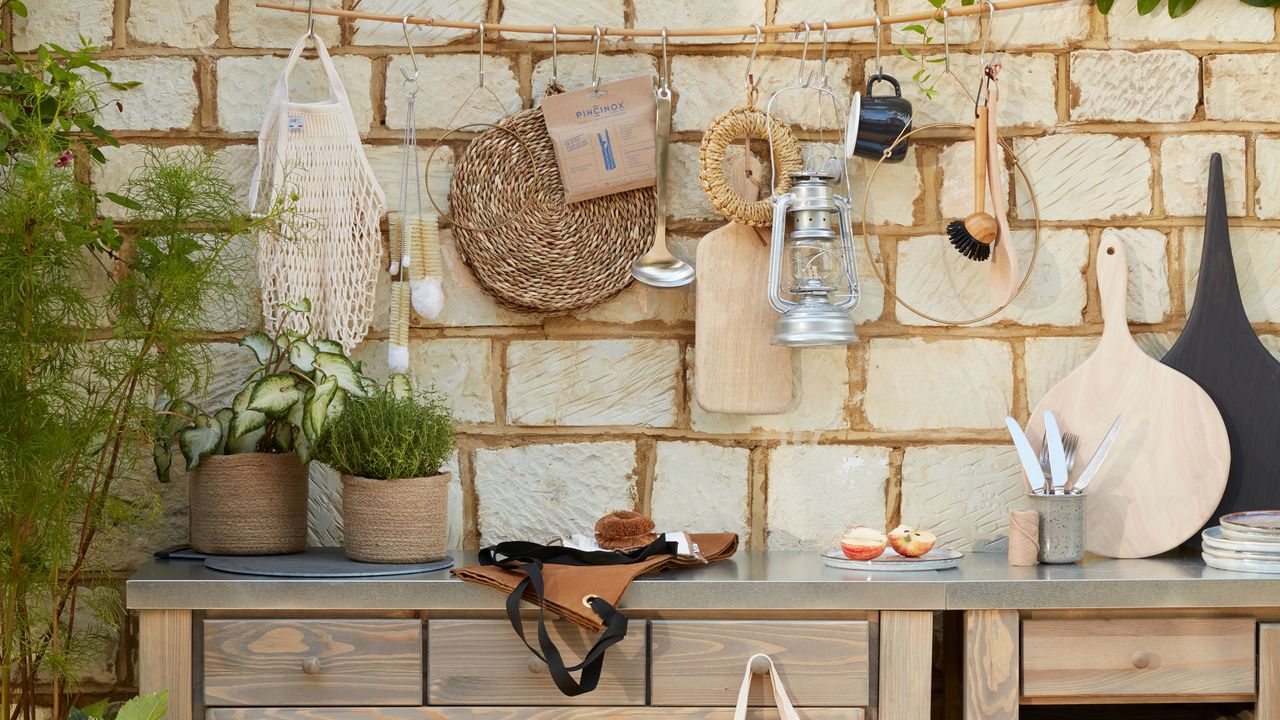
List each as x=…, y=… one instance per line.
x=430, y=647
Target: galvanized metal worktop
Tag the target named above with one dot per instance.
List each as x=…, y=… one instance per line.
x=752, y=580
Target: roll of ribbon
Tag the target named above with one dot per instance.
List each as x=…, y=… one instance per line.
x=1024, y=537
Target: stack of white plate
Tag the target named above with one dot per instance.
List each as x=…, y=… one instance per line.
x=1245, y=541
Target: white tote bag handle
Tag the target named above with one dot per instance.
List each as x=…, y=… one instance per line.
x=786, y=711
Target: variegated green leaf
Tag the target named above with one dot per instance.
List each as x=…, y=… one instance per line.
x=244, y=420
x=302, y=355
x=400, y=387
x=246, y=443
x=339, y=367
x=260, y=343
x=199, y=441
x=302, y=306
x=330, y=346
x=273, y=395
x=162, y=453
x=223, y=417
x=317, y=408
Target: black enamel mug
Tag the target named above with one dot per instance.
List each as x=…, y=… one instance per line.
x=882, y=120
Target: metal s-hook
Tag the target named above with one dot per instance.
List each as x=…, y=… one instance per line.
x=480, y=63
x=595, y=63
x=802, y=80
x=986, y=36
x=555, y=56
x=404, y=25
x=879, y=63
x=311, y=18
x=748, y=80
x=664, y=72
x=823, y=65
x=946, y=41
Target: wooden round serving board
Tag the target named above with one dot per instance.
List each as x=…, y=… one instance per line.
x=1168, y=466
x=1220, y=351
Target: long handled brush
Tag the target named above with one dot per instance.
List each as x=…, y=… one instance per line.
x=973, y=236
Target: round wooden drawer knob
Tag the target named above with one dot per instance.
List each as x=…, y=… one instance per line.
x=759, y=665
x=536, y=666
x=1141, y=660
x=311, y=666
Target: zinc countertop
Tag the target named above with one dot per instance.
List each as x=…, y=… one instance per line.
x=750, y=581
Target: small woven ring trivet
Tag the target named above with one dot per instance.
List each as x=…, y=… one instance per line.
x=550, y=257
x=745, y=121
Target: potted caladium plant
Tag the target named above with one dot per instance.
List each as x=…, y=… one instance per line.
x=248, y=492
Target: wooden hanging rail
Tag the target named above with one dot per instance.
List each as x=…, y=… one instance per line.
x=978, y=8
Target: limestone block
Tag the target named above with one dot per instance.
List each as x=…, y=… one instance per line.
x=701, y=487
x=1209, y=20
x=706, y=86
x=1049, y=359
x=166, y=99
x=460, y=368
x=63, y=22
x=1184, y=172
x=600, y=382
x=1048, y=25
x=378, y=33
x=816, y=491
x=190, y=24
x=696, y=13
x=926, y=384
x=962, y=493
x=1084, y=177
x=815, y=11
x=539, y=492
x=574, y=71
x=898, y=187
x=1118, y=85
x=1027, y=89
x=1267, y=170
x=1242, y=87
x=564, y=13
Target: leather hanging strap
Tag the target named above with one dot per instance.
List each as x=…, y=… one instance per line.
x=529, y=559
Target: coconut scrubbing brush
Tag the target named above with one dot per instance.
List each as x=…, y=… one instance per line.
x=973, y=236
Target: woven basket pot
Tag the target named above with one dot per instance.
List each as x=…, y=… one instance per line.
x=395, y=521
x=249, y=504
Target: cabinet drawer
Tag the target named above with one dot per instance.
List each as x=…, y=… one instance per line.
x=482, y=662
x=522, y=713
x=823, y=664
x=1125, y=657
x=312, y=662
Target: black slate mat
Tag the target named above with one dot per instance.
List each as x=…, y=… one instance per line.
x=1220, y=351
x=317, y=563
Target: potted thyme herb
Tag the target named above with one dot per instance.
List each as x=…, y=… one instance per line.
x=249, y=461
x=389, y=448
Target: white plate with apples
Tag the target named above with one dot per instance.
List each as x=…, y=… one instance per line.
x=905, y=548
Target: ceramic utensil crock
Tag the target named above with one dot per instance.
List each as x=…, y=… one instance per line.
x=1061, y=527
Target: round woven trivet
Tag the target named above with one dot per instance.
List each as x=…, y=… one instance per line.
x=542, y=256
x=745, y=121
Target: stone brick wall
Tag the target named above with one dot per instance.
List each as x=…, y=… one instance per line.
x=563, y=419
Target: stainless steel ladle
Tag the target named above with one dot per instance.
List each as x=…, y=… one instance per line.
x=659, y=267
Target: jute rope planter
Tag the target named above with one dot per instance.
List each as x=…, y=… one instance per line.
x=538, y=254
x=745, y=121
x=395, y=521
x=250, y=504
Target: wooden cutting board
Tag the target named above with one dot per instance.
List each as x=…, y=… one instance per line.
x=738, y=369
x=1220, y=351
x=1168, y=466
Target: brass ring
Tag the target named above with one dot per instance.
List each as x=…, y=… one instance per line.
x=586, y=600
x=866, y=235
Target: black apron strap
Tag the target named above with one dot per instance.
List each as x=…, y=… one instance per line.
x=528, y=558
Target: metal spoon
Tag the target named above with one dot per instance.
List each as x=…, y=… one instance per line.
x=659, y=267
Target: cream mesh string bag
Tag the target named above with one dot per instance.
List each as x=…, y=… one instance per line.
x=328, y=249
